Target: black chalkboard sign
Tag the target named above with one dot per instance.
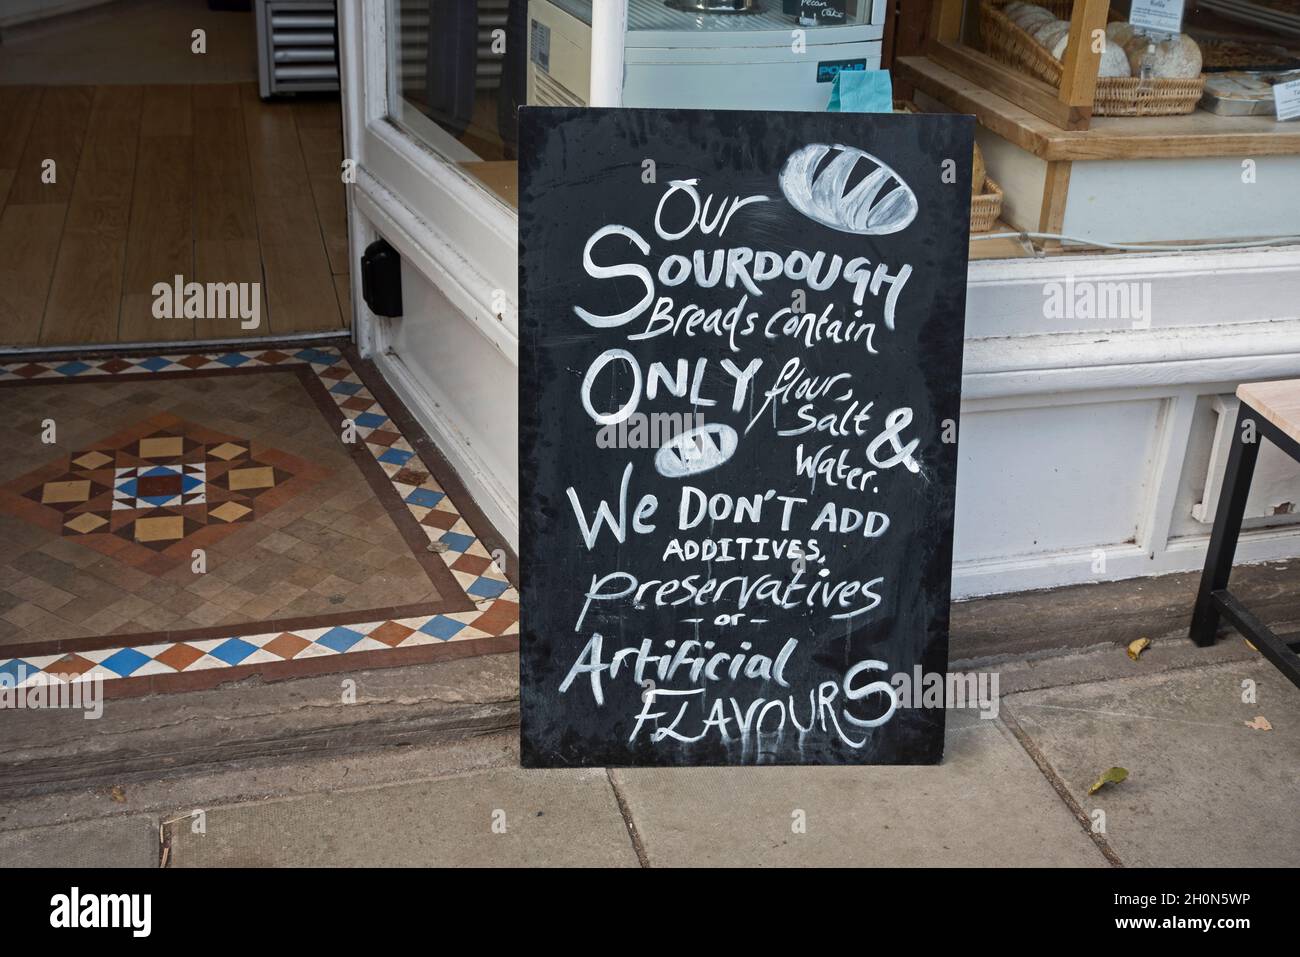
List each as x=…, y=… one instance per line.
x=740, y=373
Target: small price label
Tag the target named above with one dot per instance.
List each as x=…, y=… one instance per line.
x=1286, y=99
x=1157, y=16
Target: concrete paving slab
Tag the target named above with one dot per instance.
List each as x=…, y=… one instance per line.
x=551, y=819
x=1204, y=790
x=124, y=841
x=986, y=805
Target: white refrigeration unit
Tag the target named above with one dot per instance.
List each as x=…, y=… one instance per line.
x=677, y=58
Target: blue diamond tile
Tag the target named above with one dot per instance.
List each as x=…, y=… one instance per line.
x=339, y=639
x=154, y=363
x=487, y=588
x=317, y=357
x=370, y=420
x=427, y=498
x=457, y=541
x=125, y=661
x=442, y=627
x=72, y=368
x=14, y=672
x=346, y=388
x=233, y=651
x=233, y=359
x=395, y=457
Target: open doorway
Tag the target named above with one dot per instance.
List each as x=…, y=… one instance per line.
x=203, y=480
x=139, y=156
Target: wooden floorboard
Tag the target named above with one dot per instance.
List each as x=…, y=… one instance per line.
x=299, y=284
x=57, y=133
x=320, y=135
x=29, y=245
x=223, y=187
x=86, y=293
x=343, y=289
x=167, y=111
x=322, y=149
x=230, y=261
x=208, y=182
x=6, y=180
x=18, y=106
x=161, y=242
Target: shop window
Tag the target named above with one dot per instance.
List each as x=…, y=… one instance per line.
x=1089, y=138
x=1118, y=127
x=708, y=54
x=456, y=80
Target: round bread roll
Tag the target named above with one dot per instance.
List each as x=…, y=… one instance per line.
x=977, y=172
x=1033, y=17
x=1054, y=36
x=1114, y=61
x=1040, y=30
x=1119, y=32
x=1173, y=59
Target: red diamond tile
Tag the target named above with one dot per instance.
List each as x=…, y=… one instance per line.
x=70, y=665
x=391, y=633
x=179, y=656
x=438, y=519
x=474, y=564
x=411, y=477
x=286, y=645
x=502, y=617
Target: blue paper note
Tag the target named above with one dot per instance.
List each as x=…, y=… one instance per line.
x=862, y=91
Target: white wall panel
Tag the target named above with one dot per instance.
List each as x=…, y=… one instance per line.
x=1052, y=479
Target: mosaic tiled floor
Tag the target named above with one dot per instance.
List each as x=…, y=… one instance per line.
x=175, y=521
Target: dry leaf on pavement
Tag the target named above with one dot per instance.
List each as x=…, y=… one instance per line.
x=1113, y=776
x=1136, y=648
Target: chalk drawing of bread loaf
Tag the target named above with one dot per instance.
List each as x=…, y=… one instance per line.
x=879, y=203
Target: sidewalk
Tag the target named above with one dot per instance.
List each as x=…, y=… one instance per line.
x=1203, y=789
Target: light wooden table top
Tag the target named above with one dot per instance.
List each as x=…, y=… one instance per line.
x=1278, y=402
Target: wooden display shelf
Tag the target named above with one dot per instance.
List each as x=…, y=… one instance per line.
x=1111, y=137
x=1001, y=248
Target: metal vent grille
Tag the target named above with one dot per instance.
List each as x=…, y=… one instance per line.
x=548, y=92
x=297, y=45
x=413, y=42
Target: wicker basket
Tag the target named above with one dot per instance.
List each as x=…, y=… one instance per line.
x=986, y=207
x=1114, y=96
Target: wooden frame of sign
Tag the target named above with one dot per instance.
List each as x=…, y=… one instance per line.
x=1070, y=107
x=740, y=383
